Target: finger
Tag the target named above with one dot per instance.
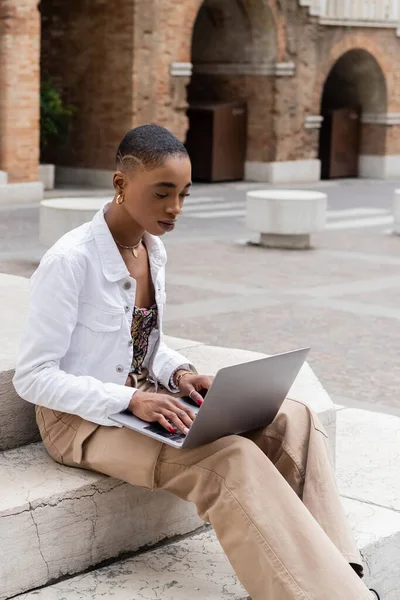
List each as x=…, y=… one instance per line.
x=195, y=396
x=176, y=422
x=185, y=417
x=180, y=406
x=183, y=414
x=173, y=405
x=206, y=382
x=163, y=421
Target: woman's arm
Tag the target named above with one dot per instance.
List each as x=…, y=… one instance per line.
x=52, y=318
x=166, y=363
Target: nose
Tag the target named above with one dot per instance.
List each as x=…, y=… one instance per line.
x=174, y=208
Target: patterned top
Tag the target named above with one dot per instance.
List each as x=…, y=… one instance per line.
x=144, y=320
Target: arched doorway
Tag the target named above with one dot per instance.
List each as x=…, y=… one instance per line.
x=234, y=58
x=354, y=92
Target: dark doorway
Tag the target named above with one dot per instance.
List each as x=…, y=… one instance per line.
x=216, y=140
x=340, y=143
x=354, y=92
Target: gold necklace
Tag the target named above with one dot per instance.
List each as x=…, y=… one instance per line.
x=133, y=249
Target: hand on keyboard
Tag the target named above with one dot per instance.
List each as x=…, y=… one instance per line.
x=166, y=410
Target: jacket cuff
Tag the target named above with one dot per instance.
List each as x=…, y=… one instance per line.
x=121, y=397
x=172, y=387
x=170, y=368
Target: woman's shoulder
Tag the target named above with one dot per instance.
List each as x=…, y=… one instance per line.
x=73, y=251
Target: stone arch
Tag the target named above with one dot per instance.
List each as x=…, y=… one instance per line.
x=353, y=99
x=234, y=31
x=356, y=41
x=251, y=8
x=234, y=54
x=356, y=79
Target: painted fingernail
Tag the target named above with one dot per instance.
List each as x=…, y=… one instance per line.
x=200, y=401
x=173, y=430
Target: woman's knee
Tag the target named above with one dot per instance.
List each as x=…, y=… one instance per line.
x=296, y=417
x=237, y=456
x=310, y=417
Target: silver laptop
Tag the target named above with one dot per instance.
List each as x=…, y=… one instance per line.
x=242, y=398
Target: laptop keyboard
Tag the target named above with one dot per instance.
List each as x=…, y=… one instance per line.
x=159, y=430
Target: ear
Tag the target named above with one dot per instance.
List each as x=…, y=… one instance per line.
x=119, y=181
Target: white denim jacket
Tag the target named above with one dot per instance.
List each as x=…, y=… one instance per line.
x=76, y=351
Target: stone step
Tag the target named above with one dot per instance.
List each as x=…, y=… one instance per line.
x=17, y=420
x=196, y=568
x=377, y=531
x=367, y=451
x=55, y=520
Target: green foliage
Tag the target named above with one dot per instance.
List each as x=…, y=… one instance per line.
x=55, y=117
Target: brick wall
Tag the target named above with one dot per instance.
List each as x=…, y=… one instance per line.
x=19, y=89
x=87, y=50
x=315, y=49
x=112, y=61
x=278, y=106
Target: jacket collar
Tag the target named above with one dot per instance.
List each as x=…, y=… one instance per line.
x=112, y=264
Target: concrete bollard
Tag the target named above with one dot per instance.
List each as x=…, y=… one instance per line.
x=60, y=215
x=396, y=212
x=47, y=175
x=286, y=218
x=20, y=193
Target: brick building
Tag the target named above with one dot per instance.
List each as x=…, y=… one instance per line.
x=309, y=70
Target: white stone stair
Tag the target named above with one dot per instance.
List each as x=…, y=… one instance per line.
x=189, y=569
x=196, y=568
x=57, y=521
x=367, y=468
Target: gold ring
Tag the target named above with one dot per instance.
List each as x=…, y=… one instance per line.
x=190, y=395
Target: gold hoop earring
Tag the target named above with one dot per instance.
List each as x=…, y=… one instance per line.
x=120, y=199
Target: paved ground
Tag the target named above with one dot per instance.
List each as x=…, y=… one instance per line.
x=342, y=298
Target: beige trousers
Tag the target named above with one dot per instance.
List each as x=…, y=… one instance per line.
x=271, y=496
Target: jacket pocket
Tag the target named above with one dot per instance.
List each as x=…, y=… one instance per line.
x=97, y=319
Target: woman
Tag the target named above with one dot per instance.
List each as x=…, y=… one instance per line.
x=92, y=347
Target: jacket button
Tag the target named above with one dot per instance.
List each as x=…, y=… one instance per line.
x=120, y=369
x=127, y=285
x=126, y=308
x=130, y=343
